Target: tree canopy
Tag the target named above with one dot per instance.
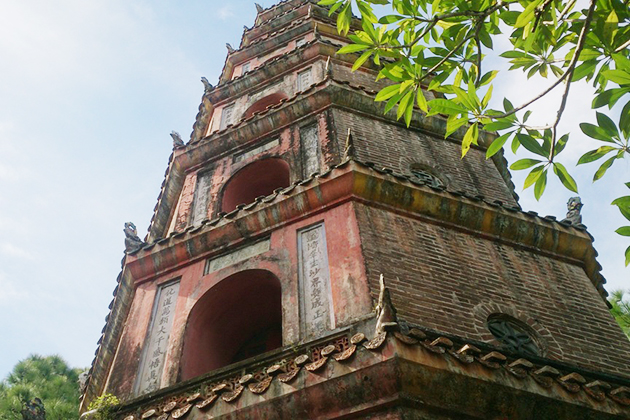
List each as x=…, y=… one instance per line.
x=441, y=46
x=620, y=310
x=48, y=378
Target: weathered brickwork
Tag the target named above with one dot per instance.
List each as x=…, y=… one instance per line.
x=395, y=147
x=365, y=78
x=269, y=237
x=287, y=147
x=449, y=273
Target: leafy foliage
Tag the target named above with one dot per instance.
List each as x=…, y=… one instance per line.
x=47, y=378
x=105, y=406
x=439, y=46
x=620, y=310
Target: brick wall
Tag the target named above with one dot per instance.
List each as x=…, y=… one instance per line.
x=396, y=147
x=451, y=281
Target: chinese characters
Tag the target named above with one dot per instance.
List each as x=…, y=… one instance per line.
x=315, y=281
x=157, y=340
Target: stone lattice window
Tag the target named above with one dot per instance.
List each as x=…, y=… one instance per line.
x=304, y=80
x=424, y=175
x=512, y=334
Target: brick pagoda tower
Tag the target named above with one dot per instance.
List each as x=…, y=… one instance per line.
x=257, y=294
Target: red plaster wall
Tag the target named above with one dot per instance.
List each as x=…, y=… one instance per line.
x=449, y=281
x=290, y=150
x=351, y=297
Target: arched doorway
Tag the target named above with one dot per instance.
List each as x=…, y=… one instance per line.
x=257, y=179
x=263, y=103
x=238, y=318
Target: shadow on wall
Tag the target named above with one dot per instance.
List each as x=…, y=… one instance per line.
x=238, y=318
x=260, y=178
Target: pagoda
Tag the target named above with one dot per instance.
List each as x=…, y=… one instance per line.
x=311, y=257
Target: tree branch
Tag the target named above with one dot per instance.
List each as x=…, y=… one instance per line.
x=571, y=69
x=568, y=72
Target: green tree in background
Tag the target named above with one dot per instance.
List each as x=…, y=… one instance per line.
x=440, y=46
x=620, y=310
x=48, y=378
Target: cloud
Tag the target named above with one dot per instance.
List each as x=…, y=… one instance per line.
x=14, y=251
x=225, y=12
x=9, y=292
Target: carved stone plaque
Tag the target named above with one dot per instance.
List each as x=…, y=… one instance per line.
x=156, y=344
x=310, y=145
x=202, y=193
x=316, y=311
x=242, y=254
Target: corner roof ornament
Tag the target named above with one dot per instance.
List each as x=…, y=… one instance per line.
x=207, y=86
x=385, y=311
x=259, y=8
x=132, y=240
x=349, y=152
x=177, y=140
x=574, y=206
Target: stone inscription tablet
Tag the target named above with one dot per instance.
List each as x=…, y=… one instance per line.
x=156, y=344
x=315, y=294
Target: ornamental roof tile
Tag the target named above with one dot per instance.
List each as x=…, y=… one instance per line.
x=226, y=388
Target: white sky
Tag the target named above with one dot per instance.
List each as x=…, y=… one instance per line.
x=89, y=92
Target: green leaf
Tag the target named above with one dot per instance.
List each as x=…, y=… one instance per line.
x=596, y=154
x=513, y=54
x=498, y=125
x=405, y=102
x=624, y=120
x=422, y=101
x=486, y=98
x=470, y=137
x=607, y=124
x=531, y=144
x=583, y=70
x=496, y=145
x=344, y=19
x=445, y=106
x=610, y=26
x=392, y=102
x=361, y=60
x=453, y=123
x=621, y=77
x=387, y=92
x=602, y=169
x=609, y=97
x=627, y=256
x=595, y=132
x=566, y=179
x=540, y=186
x=488, y=77
x=622, y=202
x=624, y=231
x=560, y=144
x=507, y=105
x=350, y=48
x=533, y=176
x=527, y=15
x=524, y=164
x=386, y=20
x=463, y=97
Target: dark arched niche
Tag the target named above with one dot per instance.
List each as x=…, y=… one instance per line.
x=254, y=180
x=263, y=103
x=238, y=318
